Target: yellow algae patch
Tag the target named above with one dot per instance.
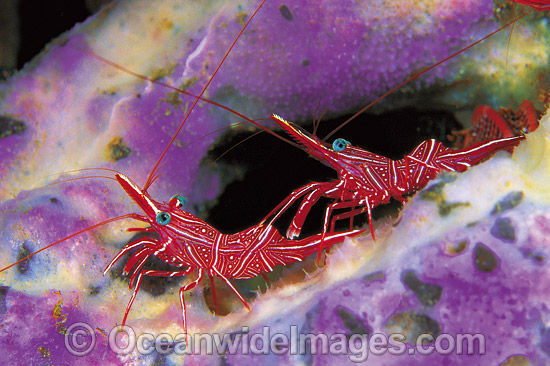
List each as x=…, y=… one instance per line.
x=511, y=68
x=59, y=316
x=533, y=160
x=116, y=150
x=141, y=29
x=44, y=351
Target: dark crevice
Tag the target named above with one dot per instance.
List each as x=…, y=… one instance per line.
x=41, y=21
x=10, y=126
x=270, y=169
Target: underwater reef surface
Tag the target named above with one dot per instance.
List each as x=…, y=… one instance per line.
x=467, y=272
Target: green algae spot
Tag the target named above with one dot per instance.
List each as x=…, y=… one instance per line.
x=435, y=193
x=189, y=83
x=412, y=324
x=511, y=200
x=285, y=12
x=537, y=257
x=160, y=73
x=173, y=98
x=371, y=277
x=117, y=149
x=94, y=290
x=241, y=17
x=504, y=229
x=428, y=294
x=166, y=24
x=352, y=322
x=57, y=312
x=11, y=126
x=485, y=260
x=113, y=92
x=61, y=318
x=23, y=252
x=516, y=360
x=456, y=249
x=445, y=208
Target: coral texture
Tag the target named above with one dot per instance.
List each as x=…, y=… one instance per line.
x=68, y=110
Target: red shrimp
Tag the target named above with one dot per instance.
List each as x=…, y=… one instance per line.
x=178, y=256
x=366, y=180
x=191, y=245
x=187, y=241
x=539, y=5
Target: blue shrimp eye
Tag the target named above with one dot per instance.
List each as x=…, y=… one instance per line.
x=177, y=201
x=340, y=144
x=163, y=218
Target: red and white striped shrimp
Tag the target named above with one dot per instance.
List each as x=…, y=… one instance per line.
x=87, y=195
x=190, y=244
x=187, y=241
x=366, y=180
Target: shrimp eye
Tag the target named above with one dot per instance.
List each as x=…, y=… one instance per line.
x=163, y=218
x=340, y=144
x=177, y=201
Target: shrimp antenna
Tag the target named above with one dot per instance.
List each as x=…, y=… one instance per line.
x=264, y=129
x=421, y=73
x=237, y=144
x=153, y=171
x=319, y=119
x=216, y=131
x=77, y=178
x=179, y=90
x=77, y=171
x=81, y=170
x=182, y=91
x=68, y=180
x=197, y=98
x=166, y=85
x=127, y=216
x=246, y=139
x=315, y=116
x=484, y=22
